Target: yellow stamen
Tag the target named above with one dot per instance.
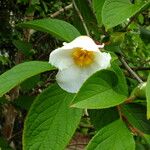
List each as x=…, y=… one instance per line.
x=83, y=57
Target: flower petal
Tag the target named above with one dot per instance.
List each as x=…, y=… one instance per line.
x=71, y=79
x=103, y=60
x=61, y=58
x=70, y=76
x=84, y=42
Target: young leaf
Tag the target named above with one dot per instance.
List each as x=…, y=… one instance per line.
x=148, y=97
x=99, y=91
x=51, y=122
x=21, y=72
x=102, y=117
x=115, y=136
x=136, y=115
x=116, y=12
x=55, y=27
x=140, y=91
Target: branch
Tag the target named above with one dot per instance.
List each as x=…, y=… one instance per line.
x=81, y=18
x=61, y=11
x=10, y=114
x=130, y=70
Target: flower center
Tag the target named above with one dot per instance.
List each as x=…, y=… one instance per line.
x=83, y=57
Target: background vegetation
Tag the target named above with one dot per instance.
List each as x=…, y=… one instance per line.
x=127, y=39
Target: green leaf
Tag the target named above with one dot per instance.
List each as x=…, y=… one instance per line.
x=24, y=102
x=141, y=19
x=3, y=100
x=4, y=144
x=21, y=72
x=24, y=47
x=147, y=138
x=136, y=115
x=99, y=91
x=115, y=136
x=97, y=7
x=58, y=28
x=139, y=146
x=34, y=2
x=117, y=38
x=22, y=1
x=116, y=12
x=30, y=83
x=103, y=117
x=51, y=122
x=122, y=84
x=145, y=34
x=148, y=97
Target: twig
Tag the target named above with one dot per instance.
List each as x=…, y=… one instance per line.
x=81, y=18
x=40, y=38
x=61, y=11
x=140, y=68
x=133, y=129
x=130, y=99
x=130, y=70
x=147, y=61
x=130, y=21
x=77, y=144
x=119, y=111
x=16, y=134
x=130, y=76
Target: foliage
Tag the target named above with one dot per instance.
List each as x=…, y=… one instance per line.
x=112, y=107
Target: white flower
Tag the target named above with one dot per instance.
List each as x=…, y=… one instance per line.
x=77, y=61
